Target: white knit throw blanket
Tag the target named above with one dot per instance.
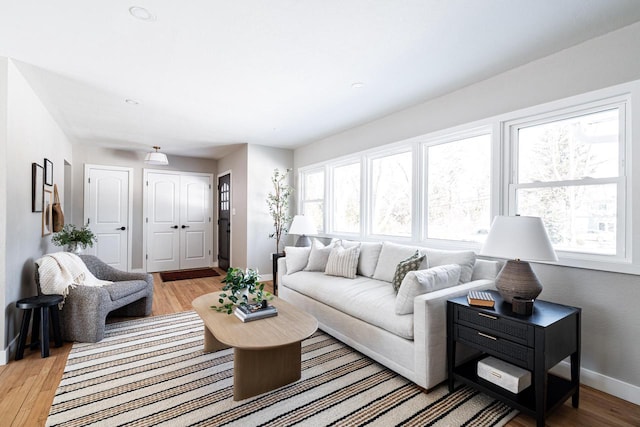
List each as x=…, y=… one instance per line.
x=61, y=271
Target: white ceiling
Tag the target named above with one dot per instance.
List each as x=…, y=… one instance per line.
x=209, y=73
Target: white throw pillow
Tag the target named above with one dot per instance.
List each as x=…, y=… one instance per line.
x=465, y=259
x=424, y=281
x=369, y=254
x=343, y=262
x=296, y=258
x=318, y=256
x=390, y=256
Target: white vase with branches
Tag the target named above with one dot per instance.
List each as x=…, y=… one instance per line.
x=278, y=203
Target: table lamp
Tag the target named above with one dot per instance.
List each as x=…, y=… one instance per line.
x=302, y=226
x=518, y=239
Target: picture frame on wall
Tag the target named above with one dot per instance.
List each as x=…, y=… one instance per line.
x=48, y=172
x=37, y=186
x=47, y=213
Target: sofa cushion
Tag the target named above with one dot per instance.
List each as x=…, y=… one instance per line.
x=370, y=300
x=343, y=262
x=465, y=259
x=410, y=264
x=318, y=256
x=390, y=256
x=424, y=281
x=296, y=258
x=369, y=254
x=119, y=290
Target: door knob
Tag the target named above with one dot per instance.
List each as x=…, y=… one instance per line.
x=185, y=226
x=175, y=226
x=122, y=228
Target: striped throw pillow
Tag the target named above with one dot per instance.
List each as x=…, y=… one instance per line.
x=343, y=262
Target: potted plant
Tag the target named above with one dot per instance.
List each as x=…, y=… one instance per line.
x=240, y=286
x=278, y=203
x=75, y=238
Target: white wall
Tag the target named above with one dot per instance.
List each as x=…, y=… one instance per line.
x=236, y=163
x=83, y=154
x=4, y=75
x=31, y=135
x=262, y=161
x=611, y=319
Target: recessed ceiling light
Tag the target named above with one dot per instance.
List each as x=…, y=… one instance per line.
x=131, y=101
x=357, y=85
x=141, y=13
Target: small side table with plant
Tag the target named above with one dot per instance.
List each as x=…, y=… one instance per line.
x=75, y=238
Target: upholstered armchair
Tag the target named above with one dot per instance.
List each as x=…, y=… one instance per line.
x=86, y=308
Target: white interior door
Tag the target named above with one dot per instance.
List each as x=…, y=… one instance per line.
x=163, y=222
x=195, y=221
x=107, y=211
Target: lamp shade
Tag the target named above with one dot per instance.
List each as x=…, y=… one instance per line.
x=156, y=158
x=519, y=237
x=302, y=226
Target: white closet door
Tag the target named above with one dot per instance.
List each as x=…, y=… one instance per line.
x=163, y=216
x=195, y=221
x=107, y=212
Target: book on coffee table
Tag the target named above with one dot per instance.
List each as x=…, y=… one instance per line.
x=480, y=299
x=250, y=312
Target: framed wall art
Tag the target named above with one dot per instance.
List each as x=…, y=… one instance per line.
x=47, y=213
x=48, y=172
x=37, y=185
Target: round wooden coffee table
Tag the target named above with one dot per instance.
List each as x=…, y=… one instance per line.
x=266, y=351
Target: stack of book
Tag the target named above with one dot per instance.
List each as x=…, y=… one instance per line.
x=250, y=312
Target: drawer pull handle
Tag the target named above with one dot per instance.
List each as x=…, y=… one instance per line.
x=487, y=336
x=488, y=315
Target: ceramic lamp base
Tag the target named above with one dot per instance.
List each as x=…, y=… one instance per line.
x=517, y=279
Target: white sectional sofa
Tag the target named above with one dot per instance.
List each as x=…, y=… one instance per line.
x=363, y=311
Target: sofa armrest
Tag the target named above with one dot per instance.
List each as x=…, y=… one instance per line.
x=282, y=269
x=430, y=327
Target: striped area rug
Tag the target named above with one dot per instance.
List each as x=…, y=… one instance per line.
x=153, y=371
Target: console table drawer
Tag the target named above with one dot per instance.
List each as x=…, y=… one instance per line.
x=518, y=354
x=493, y=324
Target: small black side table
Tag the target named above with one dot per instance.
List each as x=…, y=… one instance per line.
x=42, y=306
x=536, y=343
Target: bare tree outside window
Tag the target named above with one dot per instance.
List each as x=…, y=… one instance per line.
x=459, y=189
x=346, y=198
x=568, y=175
x=391, y=194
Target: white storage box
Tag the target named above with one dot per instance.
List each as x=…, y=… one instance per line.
x=503, y=374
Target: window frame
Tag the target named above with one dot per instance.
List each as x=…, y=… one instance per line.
x=501, y=175
x=401, y=148
x=447, y=138
x=302, y=201
x=330, y=199
x=574, y=107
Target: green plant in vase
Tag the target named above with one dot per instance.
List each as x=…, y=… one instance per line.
x=75, y=238
x=240, y=287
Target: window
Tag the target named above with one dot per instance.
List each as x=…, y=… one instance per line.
x=568, y=170
x=391, y=194
x=313, y=197
x=458, y=177
x=346, y=198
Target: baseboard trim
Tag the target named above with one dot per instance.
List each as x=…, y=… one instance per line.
x=5, y=355
x=612, y=386
x=265, y=277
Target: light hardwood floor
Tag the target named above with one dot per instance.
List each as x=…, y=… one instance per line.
x=27, y=386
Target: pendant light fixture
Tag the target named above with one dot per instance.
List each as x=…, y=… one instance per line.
x=156, y=158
